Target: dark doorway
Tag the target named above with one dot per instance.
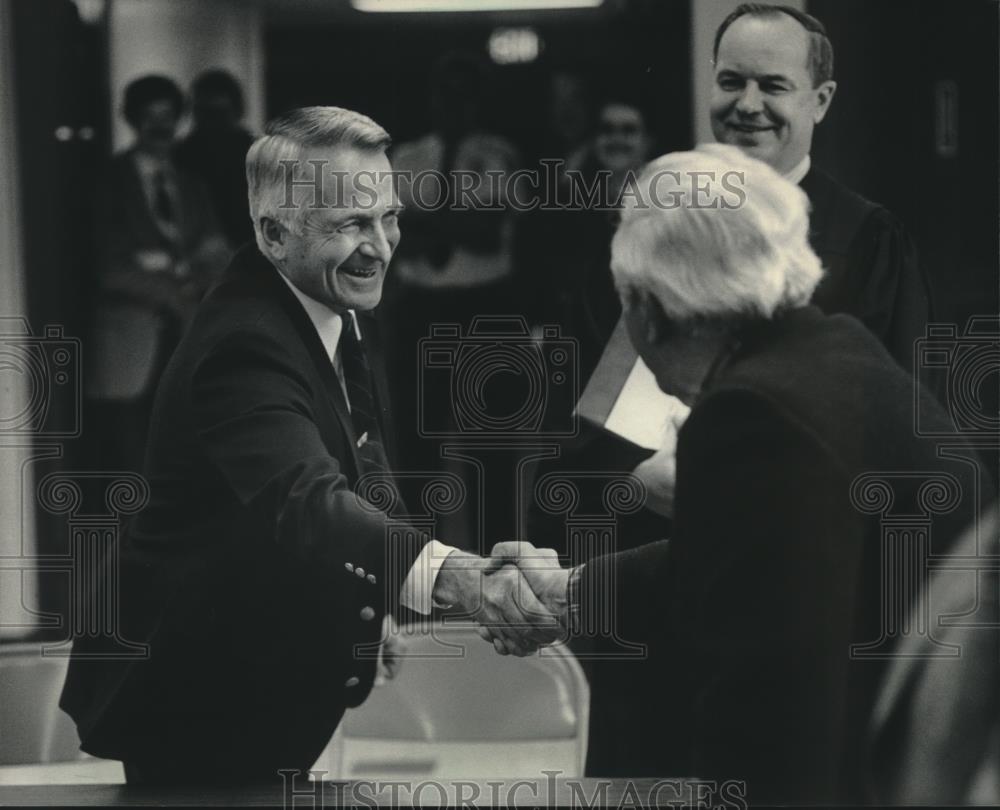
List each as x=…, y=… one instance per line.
x=914, y=126
x=61, y=97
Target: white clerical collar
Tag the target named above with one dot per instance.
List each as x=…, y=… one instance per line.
x=329, y=324
x=797, y=174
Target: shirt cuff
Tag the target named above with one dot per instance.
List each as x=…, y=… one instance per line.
x=418, y=588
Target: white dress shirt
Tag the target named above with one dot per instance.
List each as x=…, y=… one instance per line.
x=148, y=167
x=417, y=590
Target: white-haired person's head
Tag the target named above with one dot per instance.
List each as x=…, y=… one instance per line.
x=709, y=240
x=277, y=163
x=715, y=235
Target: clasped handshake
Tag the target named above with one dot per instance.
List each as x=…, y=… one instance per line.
x=518, y=595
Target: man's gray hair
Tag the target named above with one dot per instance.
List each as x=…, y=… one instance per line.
x=283, y=146
x=747, y=257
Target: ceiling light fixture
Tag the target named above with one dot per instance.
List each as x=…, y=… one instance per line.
x=415, y=6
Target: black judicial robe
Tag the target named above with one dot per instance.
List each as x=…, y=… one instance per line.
x=871, y=266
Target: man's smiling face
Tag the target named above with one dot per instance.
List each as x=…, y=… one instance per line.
x=763, y=98
x=338, y=254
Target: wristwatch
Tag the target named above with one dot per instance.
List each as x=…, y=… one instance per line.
x=573, y=618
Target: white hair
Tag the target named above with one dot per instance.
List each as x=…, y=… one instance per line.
x=283, y=146
x=714, y=234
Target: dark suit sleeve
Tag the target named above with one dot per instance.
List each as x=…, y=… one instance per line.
x=252, y=407
x=893, y=299
x=624, y=591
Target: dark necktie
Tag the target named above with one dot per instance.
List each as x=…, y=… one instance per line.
x=163, y=206
x=360, y=394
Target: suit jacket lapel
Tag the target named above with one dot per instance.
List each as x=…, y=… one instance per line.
x=139, y=200
x=317, y=352
x=371, y=339
x=818, y=206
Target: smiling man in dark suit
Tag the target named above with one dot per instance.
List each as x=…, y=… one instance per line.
x=256, y=575
x=773, y=86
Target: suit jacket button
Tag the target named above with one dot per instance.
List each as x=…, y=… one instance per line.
x=371, y=578
x=367, y=613
x=360, y=572
x=349, y=567
x=352, y=681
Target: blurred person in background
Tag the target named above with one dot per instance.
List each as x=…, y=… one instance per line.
x=772, y=571
x=567, y=254
x=478, y=278
x=216, y=150
x=570, y=119
x=159, y=250
x=620, y=147
x=481, y=226
x=567, y=250
x=458, y=259
x=458, y=93
x=570, y=250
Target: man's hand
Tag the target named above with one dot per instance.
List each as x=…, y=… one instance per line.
x=541, y=570
x=504, y=604
x=390, y=655
x=659, y=472
x=153, y=261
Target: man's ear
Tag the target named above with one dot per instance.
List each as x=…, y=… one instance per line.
x=275, y=237
x=824, y=97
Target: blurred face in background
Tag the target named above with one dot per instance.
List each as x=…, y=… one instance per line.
x=216, y=113
x=763, y=98
x=621, y=142
x=476, y=222
x=156, y=127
